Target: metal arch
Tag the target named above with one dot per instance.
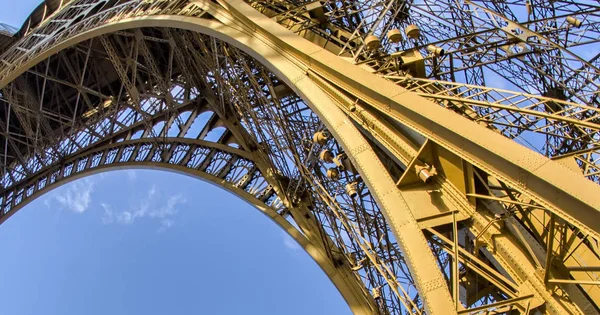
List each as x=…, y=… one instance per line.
x=420, y=260
x=210, y=28
x=428, y=278
x=365, y=307
x=370, y=96
x=576, y=203
x=361, y=307
x=97, y=160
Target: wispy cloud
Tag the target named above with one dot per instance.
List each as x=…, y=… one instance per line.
x=290, y=243
x=75, y=197
x=108, y=213
x=150, y=206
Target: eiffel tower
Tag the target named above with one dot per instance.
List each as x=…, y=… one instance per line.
x=431, y=156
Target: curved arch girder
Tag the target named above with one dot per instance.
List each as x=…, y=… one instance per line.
x=540, y=187
x=220, y=165
x=226, y=165
x=215, y=11
x=438, y=287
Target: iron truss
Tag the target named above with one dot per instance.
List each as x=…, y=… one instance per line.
x=344, y=122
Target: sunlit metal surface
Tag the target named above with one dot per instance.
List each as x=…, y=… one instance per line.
x=433, y=157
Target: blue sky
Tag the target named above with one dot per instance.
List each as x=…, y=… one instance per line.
x=151, y=242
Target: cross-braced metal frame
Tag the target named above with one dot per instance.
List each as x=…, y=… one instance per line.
x=326, y=117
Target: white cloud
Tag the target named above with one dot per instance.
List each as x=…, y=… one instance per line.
x=77, y=196
x=108, y=213
x=152, y=192
x=169, y=209
x=290, y=243
x=149, y=206
x=125, y=217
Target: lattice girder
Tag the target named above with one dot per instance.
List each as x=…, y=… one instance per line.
x=119, y=117
x=531, y=51
x=105, y=89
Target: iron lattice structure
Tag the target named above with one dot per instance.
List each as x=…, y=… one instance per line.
x=431, y=156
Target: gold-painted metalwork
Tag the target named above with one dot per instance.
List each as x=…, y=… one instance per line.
x=374, y=132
